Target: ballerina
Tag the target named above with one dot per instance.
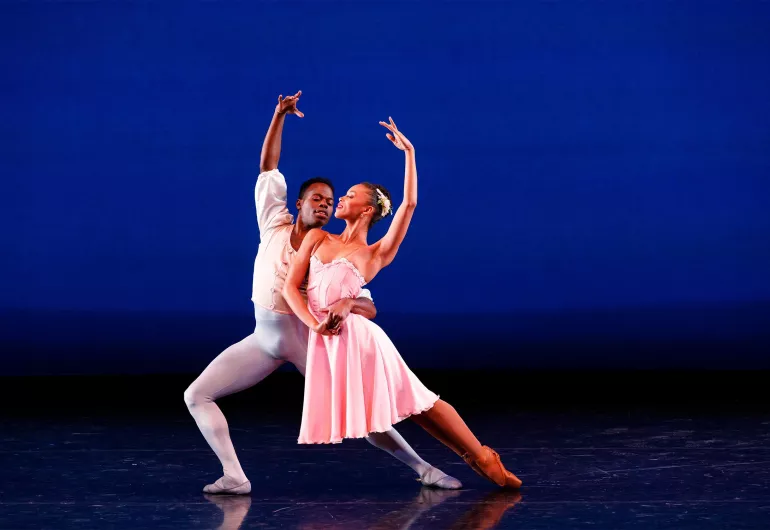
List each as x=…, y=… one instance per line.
x=356, y=382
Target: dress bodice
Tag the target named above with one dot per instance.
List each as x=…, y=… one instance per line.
x=331, y=282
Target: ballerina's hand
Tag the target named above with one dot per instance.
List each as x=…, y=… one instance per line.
x=398, y=138
x=288, y=105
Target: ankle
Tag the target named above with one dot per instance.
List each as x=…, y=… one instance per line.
x=476, y=453
x=422, y=468
x=236, y=475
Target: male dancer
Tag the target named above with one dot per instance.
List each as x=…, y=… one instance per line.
x=279, y=336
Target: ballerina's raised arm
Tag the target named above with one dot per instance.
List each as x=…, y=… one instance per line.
x=385, y=249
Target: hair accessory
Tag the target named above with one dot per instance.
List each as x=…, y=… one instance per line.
x=383, y=201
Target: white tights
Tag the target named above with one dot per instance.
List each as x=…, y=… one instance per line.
x=277, y=339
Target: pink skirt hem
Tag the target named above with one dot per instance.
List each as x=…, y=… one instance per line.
x=376, y=430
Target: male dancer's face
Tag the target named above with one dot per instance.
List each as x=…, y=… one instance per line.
x=315, y=208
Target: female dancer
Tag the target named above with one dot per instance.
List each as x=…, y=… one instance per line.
x=356, y=382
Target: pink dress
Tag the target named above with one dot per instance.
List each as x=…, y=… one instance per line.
x=356, y=382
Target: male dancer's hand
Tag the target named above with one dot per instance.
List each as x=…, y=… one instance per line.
x=288, y=105
x=324, y=327
x=337, y=312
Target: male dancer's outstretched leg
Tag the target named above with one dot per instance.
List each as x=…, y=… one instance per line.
x=280, y=339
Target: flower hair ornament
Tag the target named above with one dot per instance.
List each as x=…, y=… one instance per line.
x=383, y=201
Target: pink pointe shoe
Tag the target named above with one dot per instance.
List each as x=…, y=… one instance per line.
x=491, y=468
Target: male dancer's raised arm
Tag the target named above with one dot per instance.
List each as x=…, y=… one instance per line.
x=272, y=210
x=270, y=191
x=271, y=148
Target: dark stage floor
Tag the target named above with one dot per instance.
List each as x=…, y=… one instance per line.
x=110, y=461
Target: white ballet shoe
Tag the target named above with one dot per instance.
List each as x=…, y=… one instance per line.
x=435, y=478
x=227, y=486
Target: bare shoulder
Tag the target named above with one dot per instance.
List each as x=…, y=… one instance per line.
x=316, y=236
x=317, y=233
x=313, y=238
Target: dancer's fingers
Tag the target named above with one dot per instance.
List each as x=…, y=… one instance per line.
x=328, y=330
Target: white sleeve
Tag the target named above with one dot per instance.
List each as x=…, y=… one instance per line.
x=270, y=199
x=366, y=294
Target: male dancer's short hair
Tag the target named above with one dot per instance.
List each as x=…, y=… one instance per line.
x=315, y=180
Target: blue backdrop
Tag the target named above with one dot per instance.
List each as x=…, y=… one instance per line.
x=594, y=176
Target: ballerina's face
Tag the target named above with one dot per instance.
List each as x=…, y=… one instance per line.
x=357, y=201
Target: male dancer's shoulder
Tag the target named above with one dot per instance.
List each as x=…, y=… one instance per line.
x=270, y=201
